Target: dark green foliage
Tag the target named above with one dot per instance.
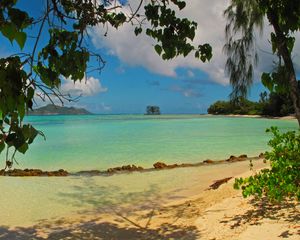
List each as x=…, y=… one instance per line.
x=282, y=180
x=220, y=107
x=243, y=17
x=279, y=102
x=243, y=106
x=273, y=104
x=65, y=23
x=152, y=110
x=277, y=105
x=172, y=33
x=277, y=81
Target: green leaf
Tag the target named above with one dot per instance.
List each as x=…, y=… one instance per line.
x=21, y=37
x=290, y=43
x=158, y=49
x=21, y=110
x=9, y=30
x=23, y=148
x=138, y=30
x=274, y=42
x=18, y=17
x=33, y=135
x=26, y=130
x=181, y=5
x=10, y=139
x=2, y=146
x=30, y=93
x=267, y=81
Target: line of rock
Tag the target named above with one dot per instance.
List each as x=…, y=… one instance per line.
x=122, y=169
x=33, y=173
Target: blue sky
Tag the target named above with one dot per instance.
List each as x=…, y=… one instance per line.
x=134, y=76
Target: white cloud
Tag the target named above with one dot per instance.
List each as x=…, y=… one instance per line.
x=70, y=91
x=186, y=91
x=138, y=51
x=105, y=107
x=86, y=87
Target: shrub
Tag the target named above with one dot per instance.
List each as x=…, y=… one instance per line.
x=282, y=180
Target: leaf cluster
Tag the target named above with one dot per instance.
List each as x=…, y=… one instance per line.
x=13, y=22
x=282, y=180
x=243, y=18
x=174, y=35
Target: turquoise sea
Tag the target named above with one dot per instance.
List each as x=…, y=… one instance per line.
x=101, y=141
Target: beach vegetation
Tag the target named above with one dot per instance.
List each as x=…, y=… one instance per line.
x=273, y=104
x=244, y=19
x=241, y=106
x=282, y=180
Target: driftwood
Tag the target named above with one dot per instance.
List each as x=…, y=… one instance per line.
x=218, y=183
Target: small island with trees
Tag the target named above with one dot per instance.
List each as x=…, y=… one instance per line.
x=152, y=110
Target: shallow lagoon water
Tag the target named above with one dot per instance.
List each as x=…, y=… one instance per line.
x=98, y=142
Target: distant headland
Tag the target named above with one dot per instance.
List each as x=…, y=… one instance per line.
x=52, y=109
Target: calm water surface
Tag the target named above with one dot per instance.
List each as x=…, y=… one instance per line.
x=102, y=141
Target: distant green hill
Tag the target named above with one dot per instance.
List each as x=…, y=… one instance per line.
x=51, y=109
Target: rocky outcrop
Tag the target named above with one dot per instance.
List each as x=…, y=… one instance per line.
x=242, y=157
x=89, y=172
x=33, y=172
x=261, y=155
x=209, y=161
x=126, y=168
x=160, y=165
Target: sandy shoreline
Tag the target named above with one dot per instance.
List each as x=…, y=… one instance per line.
x=290, y=117
x=209, y=214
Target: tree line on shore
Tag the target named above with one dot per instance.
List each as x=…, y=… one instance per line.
x=273, y=104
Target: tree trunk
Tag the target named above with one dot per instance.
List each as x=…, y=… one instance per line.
x=286, y=55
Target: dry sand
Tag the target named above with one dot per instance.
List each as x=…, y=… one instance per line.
x=290, y=117
x=214, y=214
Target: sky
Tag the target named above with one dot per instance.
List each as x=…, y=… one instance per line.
x=135, y=76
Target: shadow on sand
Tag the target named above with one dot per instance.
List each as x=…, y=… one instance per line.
x=286, y=212
x=104, y=213
x=105, y=231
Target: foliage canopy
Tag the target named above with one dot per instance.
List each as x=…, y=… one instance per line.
x=243, y=17
x=275, y=104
